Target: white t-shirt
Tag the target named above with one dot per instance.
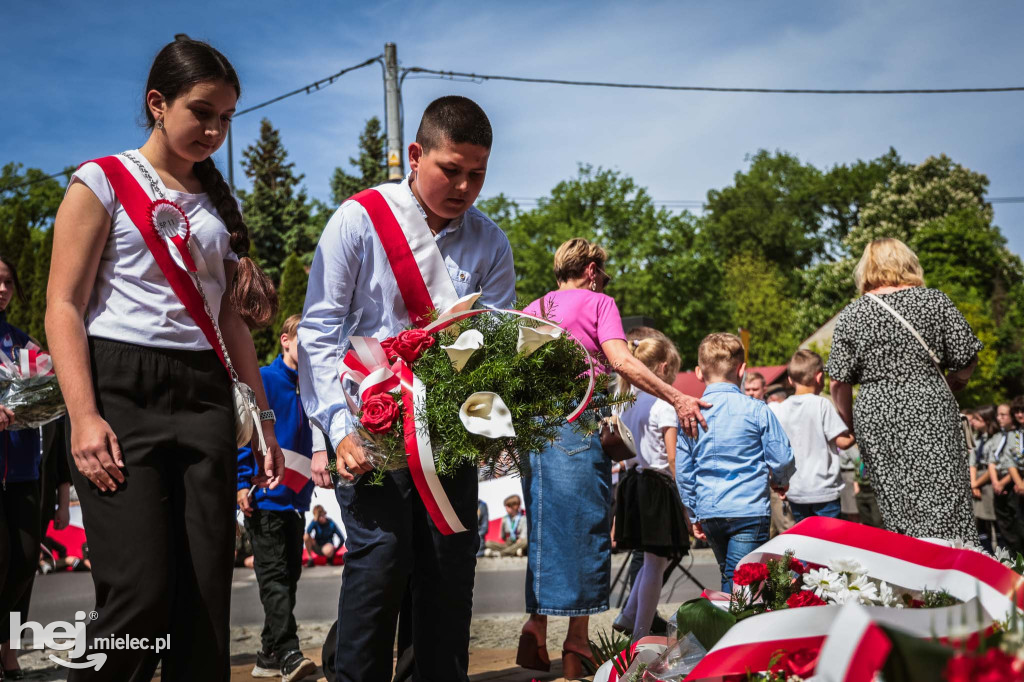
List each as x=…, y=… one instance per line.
x=651, y=453
x=131, y=299
x=811, y=422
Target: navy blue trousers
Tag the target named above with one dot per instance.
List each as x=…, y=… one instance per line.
x=393, y=546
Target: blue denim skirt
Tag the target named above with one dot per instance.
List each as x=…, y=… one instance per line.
x=568, y=512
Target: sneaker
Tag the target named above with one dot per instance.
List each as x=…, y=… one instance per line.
x=267, y=665
x=295, y=666
x=490, y=553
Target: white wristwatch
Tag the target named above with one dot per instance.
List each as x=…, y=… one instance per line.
x=268, y=416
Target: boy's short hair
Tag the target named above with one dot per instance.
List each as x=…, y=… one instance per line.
x=318, y=510
x=573, y=257
x=803, y=367
x=455, y=119
x=511, y=498
x=291, y=325
x=755, y=376
x=720, y=354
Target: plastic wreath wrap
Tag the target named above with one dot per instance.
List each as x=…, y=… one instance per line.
x=29, y=388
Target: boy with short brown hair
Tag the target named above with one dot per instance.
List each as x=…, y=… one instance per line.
x=816, y=432
x=356, y=289
x=724, y=474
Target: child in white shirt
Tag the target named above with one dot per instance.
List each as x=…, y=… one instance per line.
x=816, y=432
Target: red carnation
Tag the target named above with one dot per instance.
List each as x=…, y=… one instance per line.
x=411, y=344
x=804, y=598
x=379, y=413
x=798, y=566
x=750, y=573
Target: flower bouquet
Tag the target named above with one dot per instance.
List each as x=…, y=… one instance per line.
x=29, y=388
x=479, y=386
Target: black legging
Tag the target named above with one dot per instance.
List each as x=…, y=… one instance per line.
x=20, y=532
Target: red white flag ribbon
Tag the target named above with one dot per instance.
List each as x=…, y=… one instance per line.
x=900, y=560
x=297, y=470
x=29, y=361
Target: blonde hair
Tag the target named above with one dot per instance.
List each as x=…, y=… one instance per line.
x=654, y=352
x=887, y=262
x=804, y=366
x=720, y=354
x=291, y=325
x=318, y=510
x=573, y=257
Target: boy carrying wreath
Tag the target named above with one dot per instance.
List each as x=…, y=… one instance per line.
x=387, y=258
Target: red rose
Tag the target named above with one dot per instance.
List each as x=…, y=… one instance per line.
x=379, y=413
x=411, y=344
x=388, y=345
x=798, y=566
x=960, y=668
x=804, y=598
x=801, y=662
x=750, y=573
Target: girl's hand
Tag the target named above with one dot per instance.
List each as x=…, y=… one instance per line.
x=62, y=518
x=976, y=492
x=97, y=453
x=273, y=458
x=6, y=417
x=688, y=409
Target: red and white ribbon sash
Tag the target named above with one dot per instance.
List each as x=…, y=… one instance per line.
x=754, y=642
x=644, y=650
x=366, y=363
x=900, y=560
x=417, y=263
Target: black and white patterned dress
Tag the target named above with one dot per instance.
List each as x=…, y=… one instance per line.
x=906, y=422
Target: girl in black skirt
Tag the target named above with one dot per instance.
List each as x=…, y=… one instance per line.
x=149, y=400
x=649, y=515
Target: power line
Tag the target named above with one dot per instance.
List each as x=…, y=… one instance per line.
x=697, y=203
x=312, y=87
x=705, y=88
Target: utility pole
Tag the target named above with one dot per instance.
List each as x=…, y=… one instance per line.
x=392, y=117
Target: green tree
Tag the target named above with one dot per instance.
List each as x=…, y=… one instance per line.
x=371, y=164
x=276, y=209
x=656, y=268
x=291, y=294
x=756, y=291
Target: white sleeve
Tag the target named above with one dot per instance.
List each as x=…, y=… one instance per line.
x=663, y=416
x=831, y=421
x=327, y=321
x=319, y=443
x=93, y=177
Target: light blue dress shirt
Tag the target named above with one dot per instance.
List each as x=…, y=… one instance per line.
x=352, y=292
x=723, y=473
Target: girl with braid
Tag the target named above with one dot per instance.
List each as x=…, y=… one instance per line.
x=149, y=396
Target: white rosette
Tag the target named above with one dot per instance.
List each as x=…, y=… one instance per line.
x=462, y=350
x=485, y=414
x=531, y=339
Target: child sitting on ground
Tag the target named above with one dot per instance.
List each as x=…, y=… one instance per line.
x=815, y=431
x=724, y=474
x=513, y=531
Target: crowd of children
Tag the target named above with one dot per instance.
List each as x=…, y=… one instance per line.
x=996, y=481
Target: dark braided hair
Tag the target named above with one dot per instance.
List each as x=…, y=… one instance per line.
x=177, y=67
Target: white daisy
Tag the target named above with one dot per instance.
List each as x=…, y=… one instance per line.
x=886, y=595
x=1003, y=556
x=848, y=566
x=824, y=582
x=862, y=591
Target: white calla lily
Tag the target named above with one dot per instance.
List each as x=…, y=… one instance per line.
x=531, y=339
x=485, y=414
x=462, y=350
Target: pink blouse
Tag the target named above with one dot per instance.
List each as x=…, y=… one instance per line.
x=591, y=318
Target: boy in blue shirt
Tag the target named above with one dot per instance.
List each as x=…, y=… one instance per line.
x=274, y=518
x=320, y=534
x=724, y=474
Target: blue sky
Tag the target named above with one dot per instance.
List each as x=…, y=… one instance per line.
x=75, y=72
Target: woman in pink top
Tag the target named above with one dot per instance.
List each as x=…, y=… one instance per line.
x=567, y=486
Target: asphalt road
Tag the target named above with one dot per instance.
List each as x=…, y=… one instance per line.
x=499, y=590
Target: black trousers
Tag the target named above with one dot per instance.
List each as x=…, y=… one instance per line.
x=162, y=544
x=277, y=558
x=1009, y=522
x=20, y=532
x=393, y=546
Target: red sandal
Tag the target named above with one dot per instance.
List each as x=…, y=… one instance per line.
x=532, y=654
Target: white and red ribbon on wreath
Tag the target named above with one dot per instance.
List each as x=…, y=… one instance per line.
x=367, y=364
x=30, y=361
x=849, y=644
